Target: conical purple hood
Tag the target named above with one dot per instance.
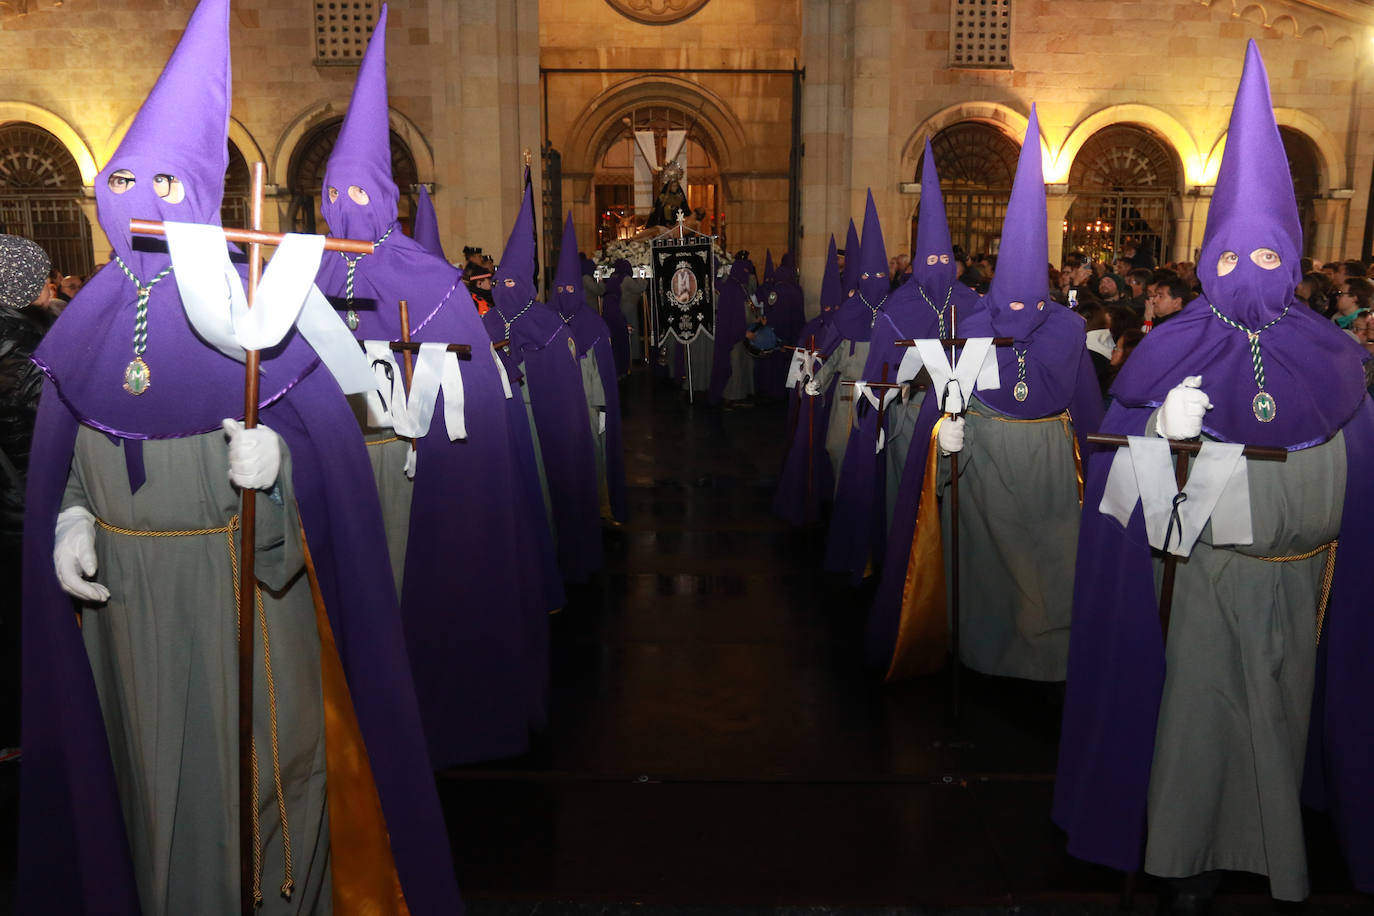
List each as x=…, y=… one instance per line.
x=832, y=288
x=1021, y=274
x=514, y=281
x=767, y=264
x=1253, y=208
x=933, y=264
x=426, y=228
x=182, y=129
x=849, y=277
x=362, y=154
x=874, y=283
x=567, y=288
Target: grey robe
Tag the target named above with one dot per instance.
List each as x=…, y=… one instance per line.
x=595, y=393
x=1240, y=658
x=847, y=361
x=1018, y=535
x=388, y=454
x=163, y=653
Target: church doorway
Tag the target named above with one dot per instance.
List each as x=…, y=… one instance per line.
x=977, y=163
x=305, y=178
x=633, y=154
x=41, y=194
x=1125, y=183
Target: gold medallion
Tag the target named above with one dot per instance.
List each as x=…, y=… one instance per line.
x=1264, y=407
x=138, y=378
x=352, y=320
x=1021, y=391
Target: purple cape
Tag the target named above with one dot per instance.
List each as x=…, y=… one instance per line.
x=615, y=318
x=858, y=527
x=731, y=296
x=589, y=330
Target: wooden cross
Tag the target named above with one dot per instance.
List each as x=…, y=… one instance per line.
x=884, y=385
x=954, y=634
x=1182, y=448
x=247, y=590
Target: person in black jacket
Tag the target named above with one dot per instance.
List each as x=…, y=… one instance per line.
x=23, y=321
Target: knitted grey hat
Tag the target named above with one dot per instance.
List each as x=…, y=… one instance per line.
x=23, y=271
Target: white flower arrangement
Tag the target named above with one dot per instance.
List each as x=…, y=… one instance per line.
x=636, y=251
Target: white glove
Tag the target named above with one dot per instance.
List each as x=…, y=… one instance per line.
x=951, y=435
x=1180, y=416
x=812, y=388
x=73, y=555
x=254, y=456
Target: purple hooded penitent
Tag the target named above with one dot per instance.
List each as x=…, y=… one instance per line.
x=590, y=333
x=919, y=309
x=871, y=284
x=426, y=228
x=611, y=313
x=474, y=616
x=1059, y=374
x=849, y=274
x=781, y=303
x=553, y=383
x=74, y=856
x=806, y=480
x=1116, y=658
x=732, y=294
x=767, y=264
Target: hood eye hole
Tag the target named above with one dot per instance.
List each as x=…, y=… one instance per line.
x=358, y=195
x=121, y=181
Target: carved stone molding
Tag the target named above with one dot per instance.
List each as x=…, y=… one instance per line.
x=656, y=12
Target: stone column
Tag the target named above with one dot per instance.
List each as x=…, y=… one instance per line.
x=486, y=98
x=1189, y=228
x=1057, y=203
x=827, y=49
x=1331, y=214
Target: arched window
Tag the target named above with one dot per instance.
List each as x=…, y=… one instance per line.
x=307, y=177
x=41, y=194
x=237, y=207
x=1125, y=183
x=1302, y=163
x=977, y=163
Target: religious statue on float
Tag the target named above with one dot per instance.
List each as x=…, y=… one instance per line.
x=671, y=198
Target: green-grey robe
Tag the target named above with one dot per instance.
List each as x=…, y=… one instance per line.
x=1240, y=661
x=163, y=652
x=846, y=361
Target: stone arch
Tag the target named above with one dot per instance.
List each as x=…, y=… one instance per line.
x=1003, y=117
x=1330, y=156
x=305, y=123
x=1286, y=26
x=55, y=125
x=599, y=121
x=1164, y=125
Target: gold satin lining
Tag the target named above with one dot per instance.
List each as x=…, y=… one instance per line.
x=363, y=868
x=1327, y=572
x=923, y=628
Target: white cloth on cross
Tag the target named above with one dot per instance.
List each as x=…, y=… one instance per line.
x=501, y=370
x=436, y=369
x=805, y=363
x=216, y=304
x=883, y=400
x=1218, y=489
x=976, y=369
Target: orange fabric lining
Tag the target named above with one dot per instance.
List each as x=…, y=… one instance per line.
x=923, y=629
x=364, y=882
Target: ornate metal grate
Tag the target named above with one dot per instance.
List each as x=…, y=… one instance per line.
x=980, y=34
x=976, y=163
x=342, y=28
x=1125, y=181
x=41, y=194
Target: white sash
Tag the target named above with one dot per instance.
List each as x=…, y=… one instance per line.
x=976, y=370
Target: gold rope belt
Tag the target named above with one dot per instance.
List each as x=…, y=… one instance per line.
x=383, y=441
x=229, y=531
x=1062, y=418
x=1327, y=572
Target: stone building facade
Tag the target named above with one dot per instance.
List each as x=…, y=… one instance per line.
x=785, y=111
